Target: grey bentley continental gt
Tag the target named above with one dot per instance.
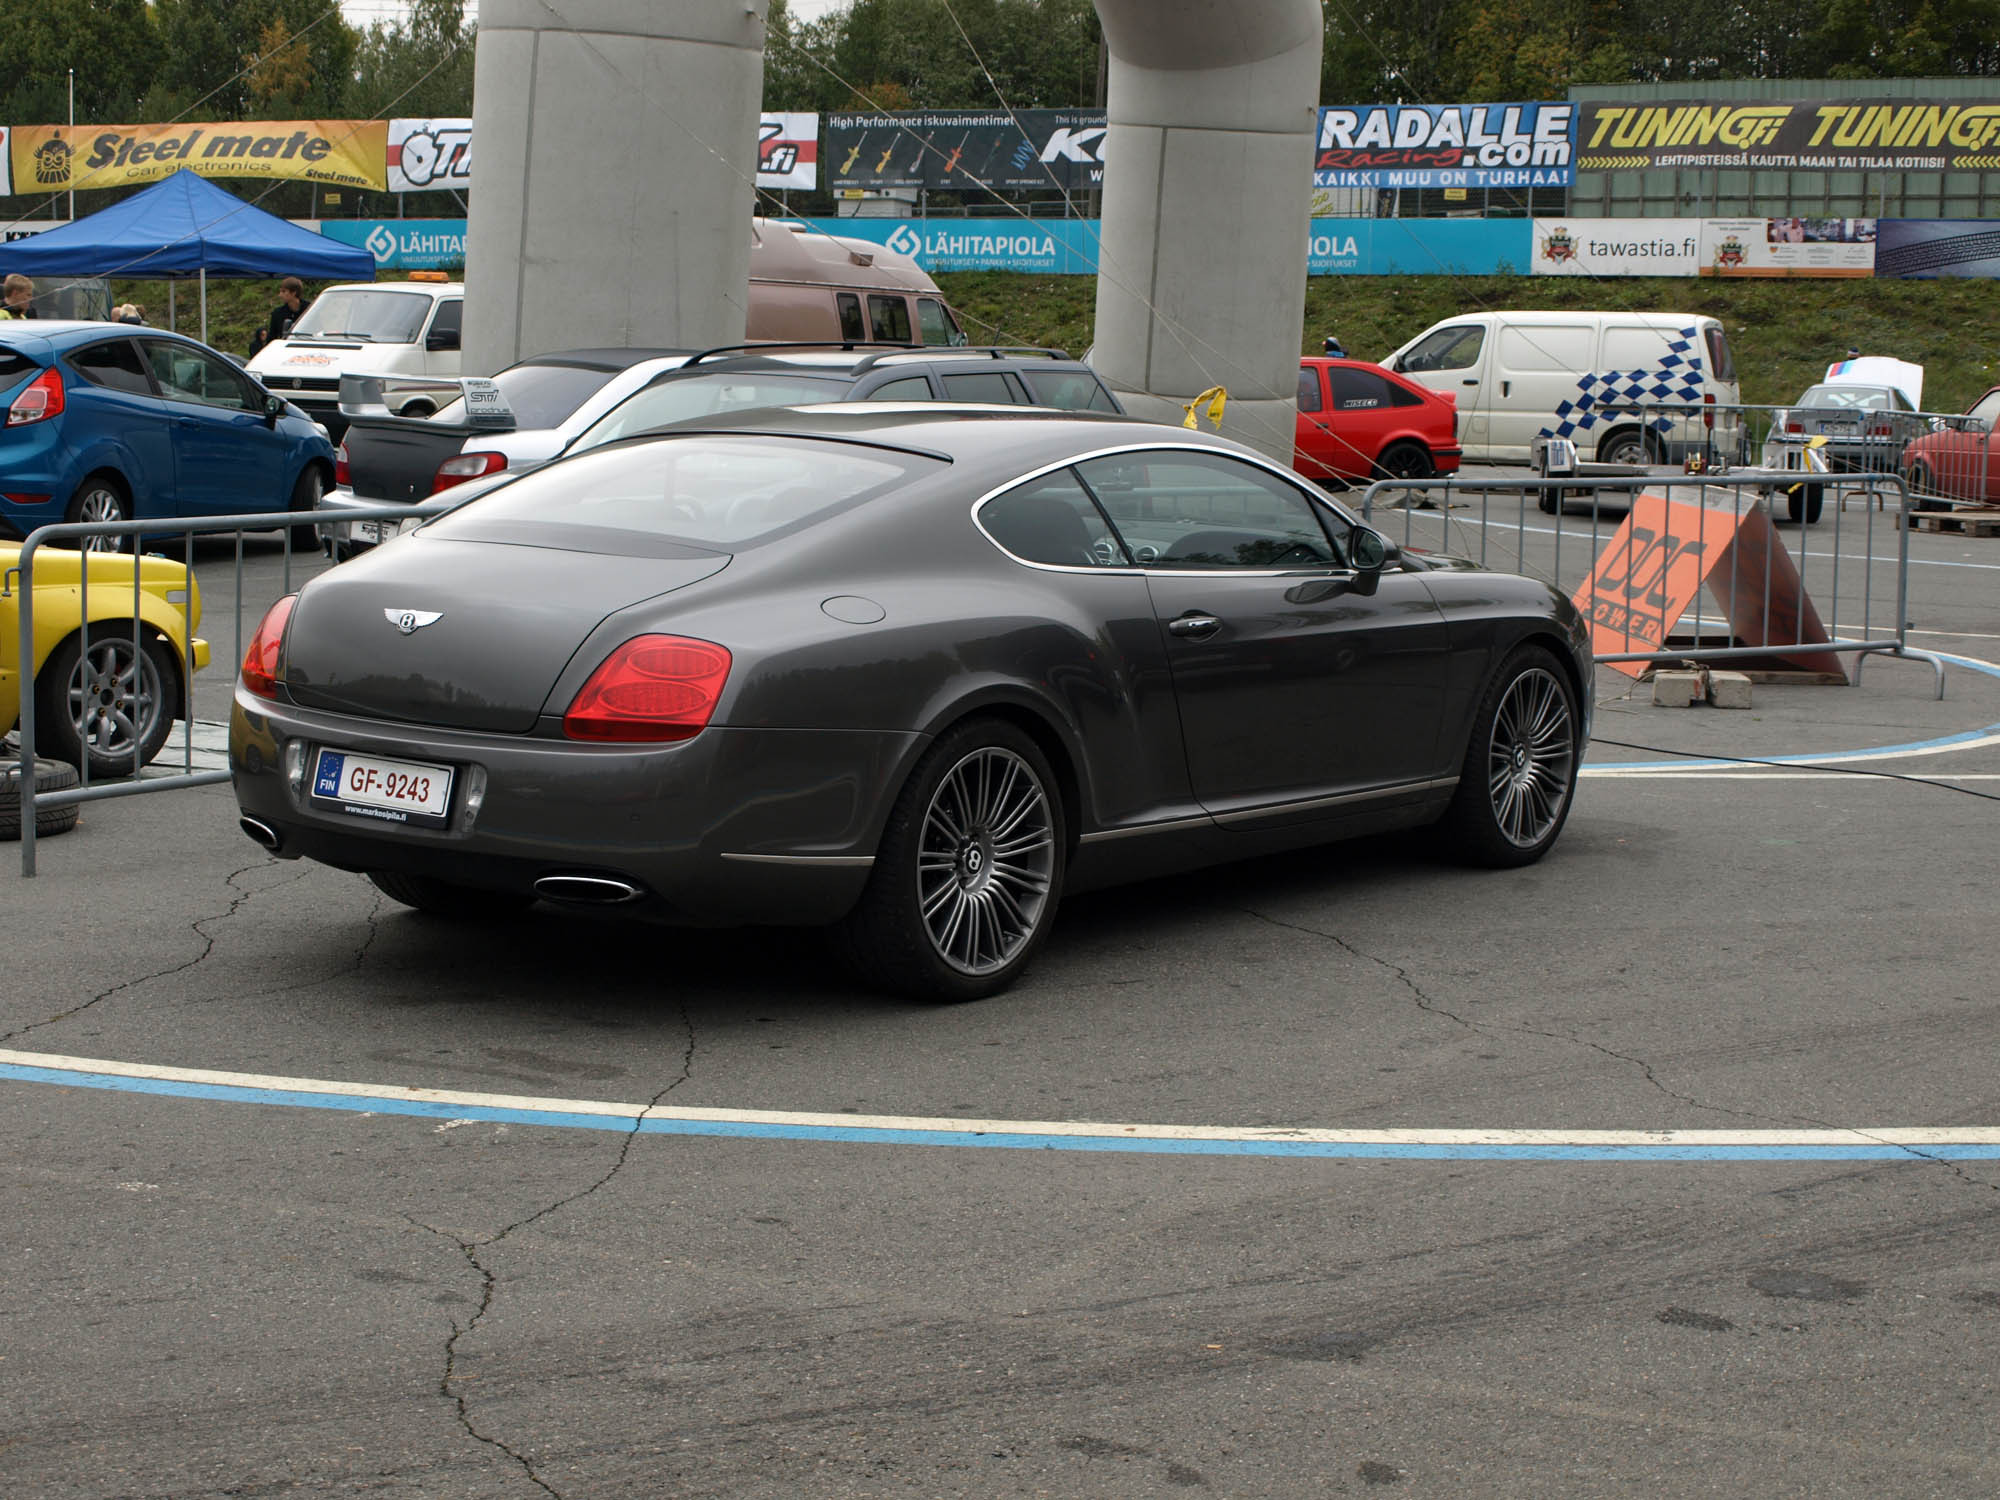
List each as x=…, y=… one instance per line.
x=909, y=671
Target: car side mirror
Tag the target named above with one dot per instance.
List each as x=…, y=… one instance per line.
x=274, y=407
x=442, y=338
x=1368, y=551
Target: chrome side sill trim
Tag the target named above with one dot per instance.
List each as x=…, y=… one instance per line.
x=1105, y=835
x=1312, y=804
x=816, y=861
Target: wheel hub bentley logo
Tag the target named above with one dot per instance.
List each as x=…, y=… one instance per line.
x=409, y=621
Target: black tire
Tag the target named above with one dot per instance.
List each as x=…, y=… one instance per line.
x=1803, y=503
x=1922, y=485
x=50, y=776
x=305, y=496
x=1518, y=778
x=1627, y=445
x=1550, y=501
x=1405, y=460
x=946, y=915
x=111, y=703
x=440, y=898
x=101, y=498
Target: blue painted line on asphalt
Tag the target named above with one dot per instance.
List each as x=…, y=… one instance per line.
x=1914, y=747
x=1005, y=1141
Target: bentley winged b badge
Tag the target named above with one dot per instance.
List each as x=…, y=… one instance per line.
x=410, y=621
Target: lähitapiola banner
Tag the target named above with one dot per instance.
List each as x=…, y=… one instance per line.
x=1901, y=135
x=959, y=149
x=1444, y=146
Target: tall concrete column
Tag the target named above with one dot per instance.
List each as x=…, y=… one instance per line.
x=617, y=157
x=1207, y=197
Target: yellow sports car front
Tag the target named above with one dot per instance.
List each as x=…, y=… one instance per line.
x=108, y=694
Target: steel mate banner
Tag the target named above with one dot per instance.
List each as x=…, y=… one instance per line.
x=1925, y=248
x=337, y=153
x=960, y=149
x=1616, y=247
x=1787, y=247
x=1893, y=135
x=1444, y=146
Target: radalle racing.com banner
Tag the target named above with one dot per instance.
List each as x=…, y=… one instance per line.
x=1444, y=146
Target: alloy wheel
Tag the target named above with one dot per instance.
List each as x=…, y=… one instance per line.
x=98, y=506
x=1531, y=760
x=985, y=860
x=114, y=700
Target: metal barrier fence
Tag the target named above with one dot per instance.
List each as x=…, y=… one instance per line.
x=1747, y=604
x=22, y=577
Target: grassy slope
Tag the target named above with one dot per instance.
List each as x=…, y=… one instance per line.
x=1784, y=330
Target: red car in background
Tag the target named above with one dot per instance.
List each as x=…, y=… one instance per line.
x=1359, y=422
x=1959, y=462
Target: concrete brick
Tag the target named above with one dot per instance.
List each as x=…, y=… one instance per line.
x=1729, y=689
x=1677, y=689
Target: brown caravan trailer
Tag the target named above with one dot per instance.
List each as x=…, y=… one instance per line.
x=810, y=286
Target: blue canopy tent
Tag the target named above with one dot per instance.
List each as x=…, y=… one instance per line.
x=185, y=227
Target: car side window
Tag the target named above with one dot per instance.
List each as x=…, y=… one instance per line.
x=446, y=325
x=909, y=388
x=1067, y=390
x=188, y=373
x=1357, y=390
x=889, y=319
x=932, y=323
x=1052, y=520
x=851, y=326
x=115, y=365
x=1308, y=388
x=1207, y=511
x=1987, y=407
x=1453, y=348
x=988, y=385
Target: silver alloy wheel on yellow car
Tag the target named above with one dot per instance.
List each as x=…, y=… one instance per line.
x=110, y=704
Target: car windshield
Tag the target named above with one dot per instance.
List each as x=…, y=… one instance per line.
x=676, y=398
x=1846, y=397
x=711, y=490
x=381, y=317
x=539, y=395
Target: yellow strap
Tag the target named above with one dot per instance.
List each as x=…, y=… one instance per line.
x=1217, y=398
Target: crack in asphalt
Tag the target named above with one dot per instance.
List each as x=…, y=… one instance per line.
x=489, y=1283
x=196, y=927
x=1426, y=1004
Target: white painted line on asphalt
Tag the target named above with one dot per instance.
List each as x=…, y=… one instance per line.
x=1606, y=533
x=451, y=1105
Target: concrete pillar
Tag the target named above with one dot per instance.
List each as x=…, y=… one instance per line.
x=1207, y=198
x=617, y=156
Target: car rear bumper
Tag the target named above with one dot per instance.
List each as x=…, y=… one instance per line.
x=736, y=826
x=343, y=539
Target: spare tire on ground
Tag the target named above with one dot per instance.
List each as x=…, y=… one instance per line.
x=50, y=776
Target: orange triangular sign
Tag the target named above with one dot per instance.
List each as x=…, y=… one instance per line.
x=1652, y=569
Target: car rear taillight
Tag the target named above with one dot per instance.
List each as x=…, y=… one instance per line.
x=342, y=476
x=1879, y=429
x=1795, y=427
x=654, y=687
x=260, y=661
x=1708, y=413
x=42, y=398
x=466, y=466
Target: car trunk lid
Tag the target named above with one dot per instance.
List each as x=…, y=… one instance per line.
x=463, y=634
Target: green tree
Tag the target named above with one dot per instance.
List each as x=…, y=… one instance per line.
x=419, y=66
x=110, y=45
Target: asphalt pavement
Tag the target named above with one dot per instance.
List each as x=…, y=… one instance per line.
x=1273, y=1180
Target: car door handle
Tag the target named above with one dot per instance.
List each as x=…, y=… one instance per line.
x=187, y=421
x=1506, y=386
x=1468, y=382
x=1194, y=627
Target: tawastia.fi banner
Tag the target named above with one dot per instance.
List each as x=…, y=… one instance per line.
x=337, y=153
x=1900, y=135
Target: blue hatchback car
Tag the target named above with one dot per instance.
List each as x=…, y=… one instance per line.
x=108, y=422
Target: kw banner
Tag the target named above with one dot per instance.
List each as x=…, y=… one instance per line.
x=1902, y=135
x=423, y=155
x=1444, y=146
x=1616, y=247
x=1937, y=247
x=958, y=150
x=339, y=153
x=1787, y=247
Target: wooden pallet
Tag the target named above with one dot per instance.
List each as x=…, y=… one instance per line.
x=1957, y=522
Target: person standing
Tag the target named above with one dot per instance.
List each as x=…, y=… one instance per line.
x=17, y=297
x=291, y=303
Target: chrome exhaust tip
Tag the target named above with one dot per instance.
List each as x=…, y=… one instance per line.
x=262, y=832
x=587, y=890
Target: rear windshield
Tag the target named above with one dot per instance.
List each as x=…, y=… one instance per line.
x=539, y=395
x=675, y=398
x=1846, y=397
x=715, y=491
x=379, y=317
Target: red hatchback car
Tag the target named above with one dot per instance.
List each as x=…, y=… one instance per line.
x=1359, y=422
x=1961, y=461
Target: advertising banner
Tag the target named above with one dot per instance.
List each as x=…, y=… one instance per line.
x=1787, y=247
x=341, y=153
x=956, y=150
x=1925, y=248
x=403, y=244
x=6, y=165
x=1444, y=146
x=1900, y=135
x=788, y=151
x=426, y=154
x=1417, y=247
x=1616, y=247
x=1043, y=247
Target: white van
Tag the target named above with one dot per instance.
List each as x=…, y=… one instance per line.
x=1594, y=377
x=364, y=328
